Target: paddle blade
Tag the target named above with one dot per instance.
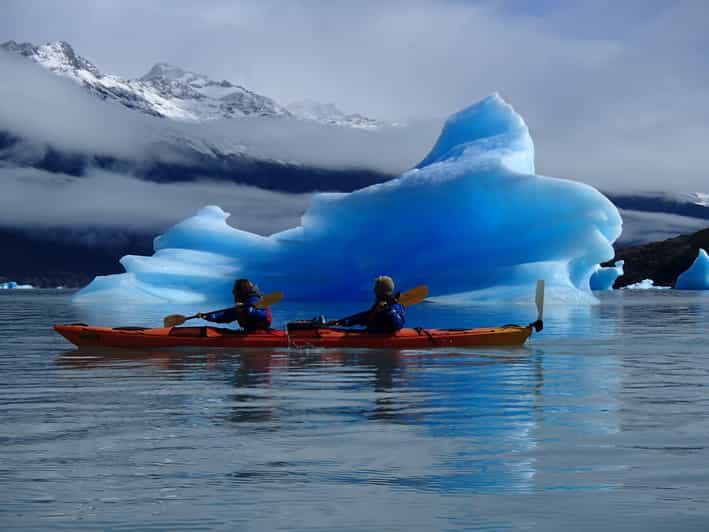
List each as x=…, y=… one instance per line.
x=414, y=296
x=269, y=299
x=173, y=320
x=539, y=300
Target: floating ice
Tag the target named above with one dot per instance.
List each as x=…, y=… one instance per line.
x=645, y=284
x=472, y=218
x=697, y=276
x=12, y=285
x=603, y=278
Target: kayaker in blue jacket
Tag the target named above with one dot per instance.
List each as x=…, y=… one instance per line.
x=250, y=318
x=386, y=315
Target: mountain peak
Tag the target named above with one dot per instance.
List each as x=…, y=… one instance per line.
x=315, y=109
x=63, y=53
x=329, y=113
x=166, y=71
x=24, y=48
x=57, y=56
x=162, y=72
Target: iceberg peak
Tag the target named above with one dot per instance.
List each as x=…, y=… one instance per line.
x=490, y=126
x=213, y=211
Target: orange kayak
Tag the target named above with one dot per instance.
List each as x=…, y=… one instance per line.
x=137, y=337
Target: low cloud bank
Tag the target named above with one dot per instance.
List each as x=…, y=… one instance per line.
x=644, y=227
x=37, y=199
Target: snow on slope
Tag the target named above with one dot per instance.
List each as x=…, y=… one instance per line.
x=172, y=92
x=166, y=90
x=472, y=221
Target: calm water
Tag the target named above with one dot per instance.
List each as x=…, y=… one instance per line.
x=600, y=422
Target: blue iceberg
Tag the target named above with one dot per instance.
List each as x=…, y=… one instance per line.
x=604, y=278
x=472, y=220
x=697, y=276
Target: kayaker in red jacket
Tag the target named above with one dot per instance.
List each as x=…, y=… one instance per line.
x=386, y=315
x=250, y=318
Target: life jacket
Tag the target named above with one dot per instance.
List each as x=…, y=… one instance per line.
x=251, y=318
x=388, y=318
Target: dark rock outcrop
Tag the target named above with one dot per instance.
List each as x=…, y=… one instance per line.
x=660, y=261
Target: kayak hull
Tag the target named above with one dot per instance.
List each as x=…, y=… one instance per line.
x=135, y=337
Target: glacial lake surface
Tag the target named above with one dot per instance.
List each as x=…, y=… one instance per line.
x=600, y=422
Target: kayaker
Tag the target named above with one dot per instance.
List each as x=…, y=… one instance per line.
x=386, y=315
x=250, y=318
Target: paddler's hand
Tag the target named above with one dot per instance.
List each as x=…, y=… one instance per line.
x=381, y=305
x=201, y=315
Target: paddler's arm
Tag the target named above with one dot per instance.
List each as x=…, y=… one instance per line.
x=226, y=315
x=356, y=319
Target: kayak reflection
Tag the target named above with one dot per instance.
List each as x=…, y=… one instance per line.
x=394, y=376
x=464, y=397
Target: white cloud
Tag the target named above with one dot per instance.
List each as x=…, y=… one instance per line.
x=643, y=227
x=102, y=200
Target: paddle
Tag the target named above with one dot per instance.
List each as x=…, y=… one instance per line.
x=408, y=298
x=539, y=301
x=266, y=301
x=414, y=296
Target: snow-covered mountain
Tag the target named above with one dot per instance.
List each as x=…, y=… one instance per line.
x=171, y=92
x=328, y=113
x=167, y=91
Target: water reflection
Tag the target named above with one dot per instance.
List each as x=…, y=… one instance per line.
x=474, y=400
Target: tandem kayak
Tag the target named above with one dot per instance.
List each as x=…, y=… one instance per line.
x=205, y=336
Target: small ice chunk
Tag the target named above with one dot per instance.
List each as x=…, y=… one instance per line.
x=645, y=284
x=697, y=276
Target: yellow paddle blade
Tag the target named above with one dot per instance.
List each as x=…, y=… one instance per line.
x=414, y=296
x=539, y=299
x=269, y=299
x=174, y=320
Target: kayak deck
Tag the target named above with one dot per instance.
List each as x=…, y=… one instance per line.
x=205, y=336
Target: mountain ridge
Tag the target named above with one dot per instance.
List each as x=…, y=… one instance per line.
x=170, y=91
